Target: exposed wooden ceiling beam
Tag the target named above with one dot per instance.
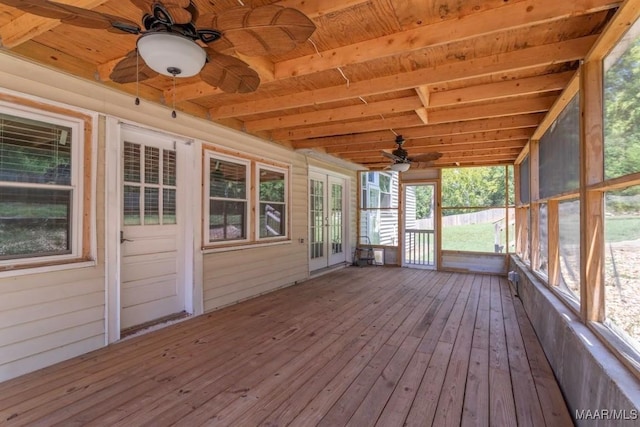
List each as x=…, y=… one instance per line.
x=509, y=88
x=28, y=26
x=526, y=86
x=530, y=57
x=346, y=128
x=497, y=109
x=507, y=17
x=442, y=129
x=424, y=95
x=316, y=8
x=336, y=114
x=185, y=92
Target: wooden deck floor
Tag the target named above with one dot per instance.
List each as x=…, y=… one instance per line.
x=361, y=347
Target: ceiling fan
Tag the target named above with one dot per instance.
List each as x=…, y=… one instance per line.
x=175, y=41
x=402, y=161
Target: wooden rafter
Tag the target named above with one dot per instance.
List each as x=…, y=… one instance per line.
x=536, y=56
x=511, y=16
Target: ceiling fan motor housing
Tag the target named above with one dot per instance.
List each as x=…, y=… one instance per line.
x=400, y=152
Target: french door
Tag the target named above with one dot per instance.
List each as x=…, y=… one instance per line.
x=327, y=220
x=152, y=246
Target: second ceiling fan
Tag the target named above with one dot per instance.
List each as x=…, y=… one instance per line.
x=402, y=161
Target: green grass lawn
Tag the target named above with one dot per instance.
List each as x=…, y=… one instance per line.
x=480, y=237
x=621, y=228
x=471, y=238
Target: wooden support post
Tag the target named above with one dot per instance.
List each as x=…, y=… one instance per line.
x=534, y=206
x=518, y=215
x=592, y=204
x=553, y=226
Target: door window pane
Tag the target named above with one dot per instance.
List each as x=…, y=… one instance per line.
x=151, y=165
x=335, y=234
x=316, y=209
x=168, y=206
x=131, y=162
x=131, y=205
x=151, y=206
x=169, y=167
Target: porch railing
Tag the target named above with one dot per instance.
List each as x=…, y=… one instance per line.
x=419, y=247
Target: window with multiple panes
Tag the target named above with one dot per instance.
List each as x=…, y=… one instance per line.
x=230, y=207
x=149, y=195
x=227, y=201
x=272, y=199
x=40, y=185
x=379, y=208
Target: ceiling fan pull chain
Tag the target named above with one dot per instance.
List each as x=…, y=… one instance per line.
x=137, y=77
x=343, y=76
x=316, y=47
x=173, y=95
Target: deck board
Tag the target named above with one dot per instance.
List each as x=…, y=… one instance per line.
x=360, y=346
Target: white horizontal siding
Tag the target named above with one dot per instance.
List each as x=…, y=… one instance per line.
x=238, y=275
x=31, y=330
x=50, y=356
x=39, y=326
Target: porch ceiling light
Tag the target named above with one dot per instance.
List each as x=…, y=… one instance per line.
x=171, y=54
x=400, y=167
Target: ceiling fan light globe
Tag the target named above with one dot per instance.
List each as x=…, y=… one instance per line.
x=171, y=54
x=400, y=167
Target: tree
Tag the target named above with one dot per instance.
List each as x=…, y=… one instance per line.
x=424, y=200
x=622, y=114
x=473, y=187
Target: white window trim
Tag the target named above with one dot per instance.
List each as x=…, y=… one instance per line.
x=77, y=174
x=285, y=172
x=209, y=155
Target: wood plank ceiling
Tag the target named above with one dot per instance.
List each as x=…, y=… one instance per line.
x=470, y=79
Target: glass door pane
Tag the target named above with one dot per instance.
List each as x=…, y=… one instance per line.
x=316, y=210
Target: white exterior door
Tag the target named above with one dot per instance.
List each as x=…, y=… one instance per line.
x=327, y=220
x=152, y=273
